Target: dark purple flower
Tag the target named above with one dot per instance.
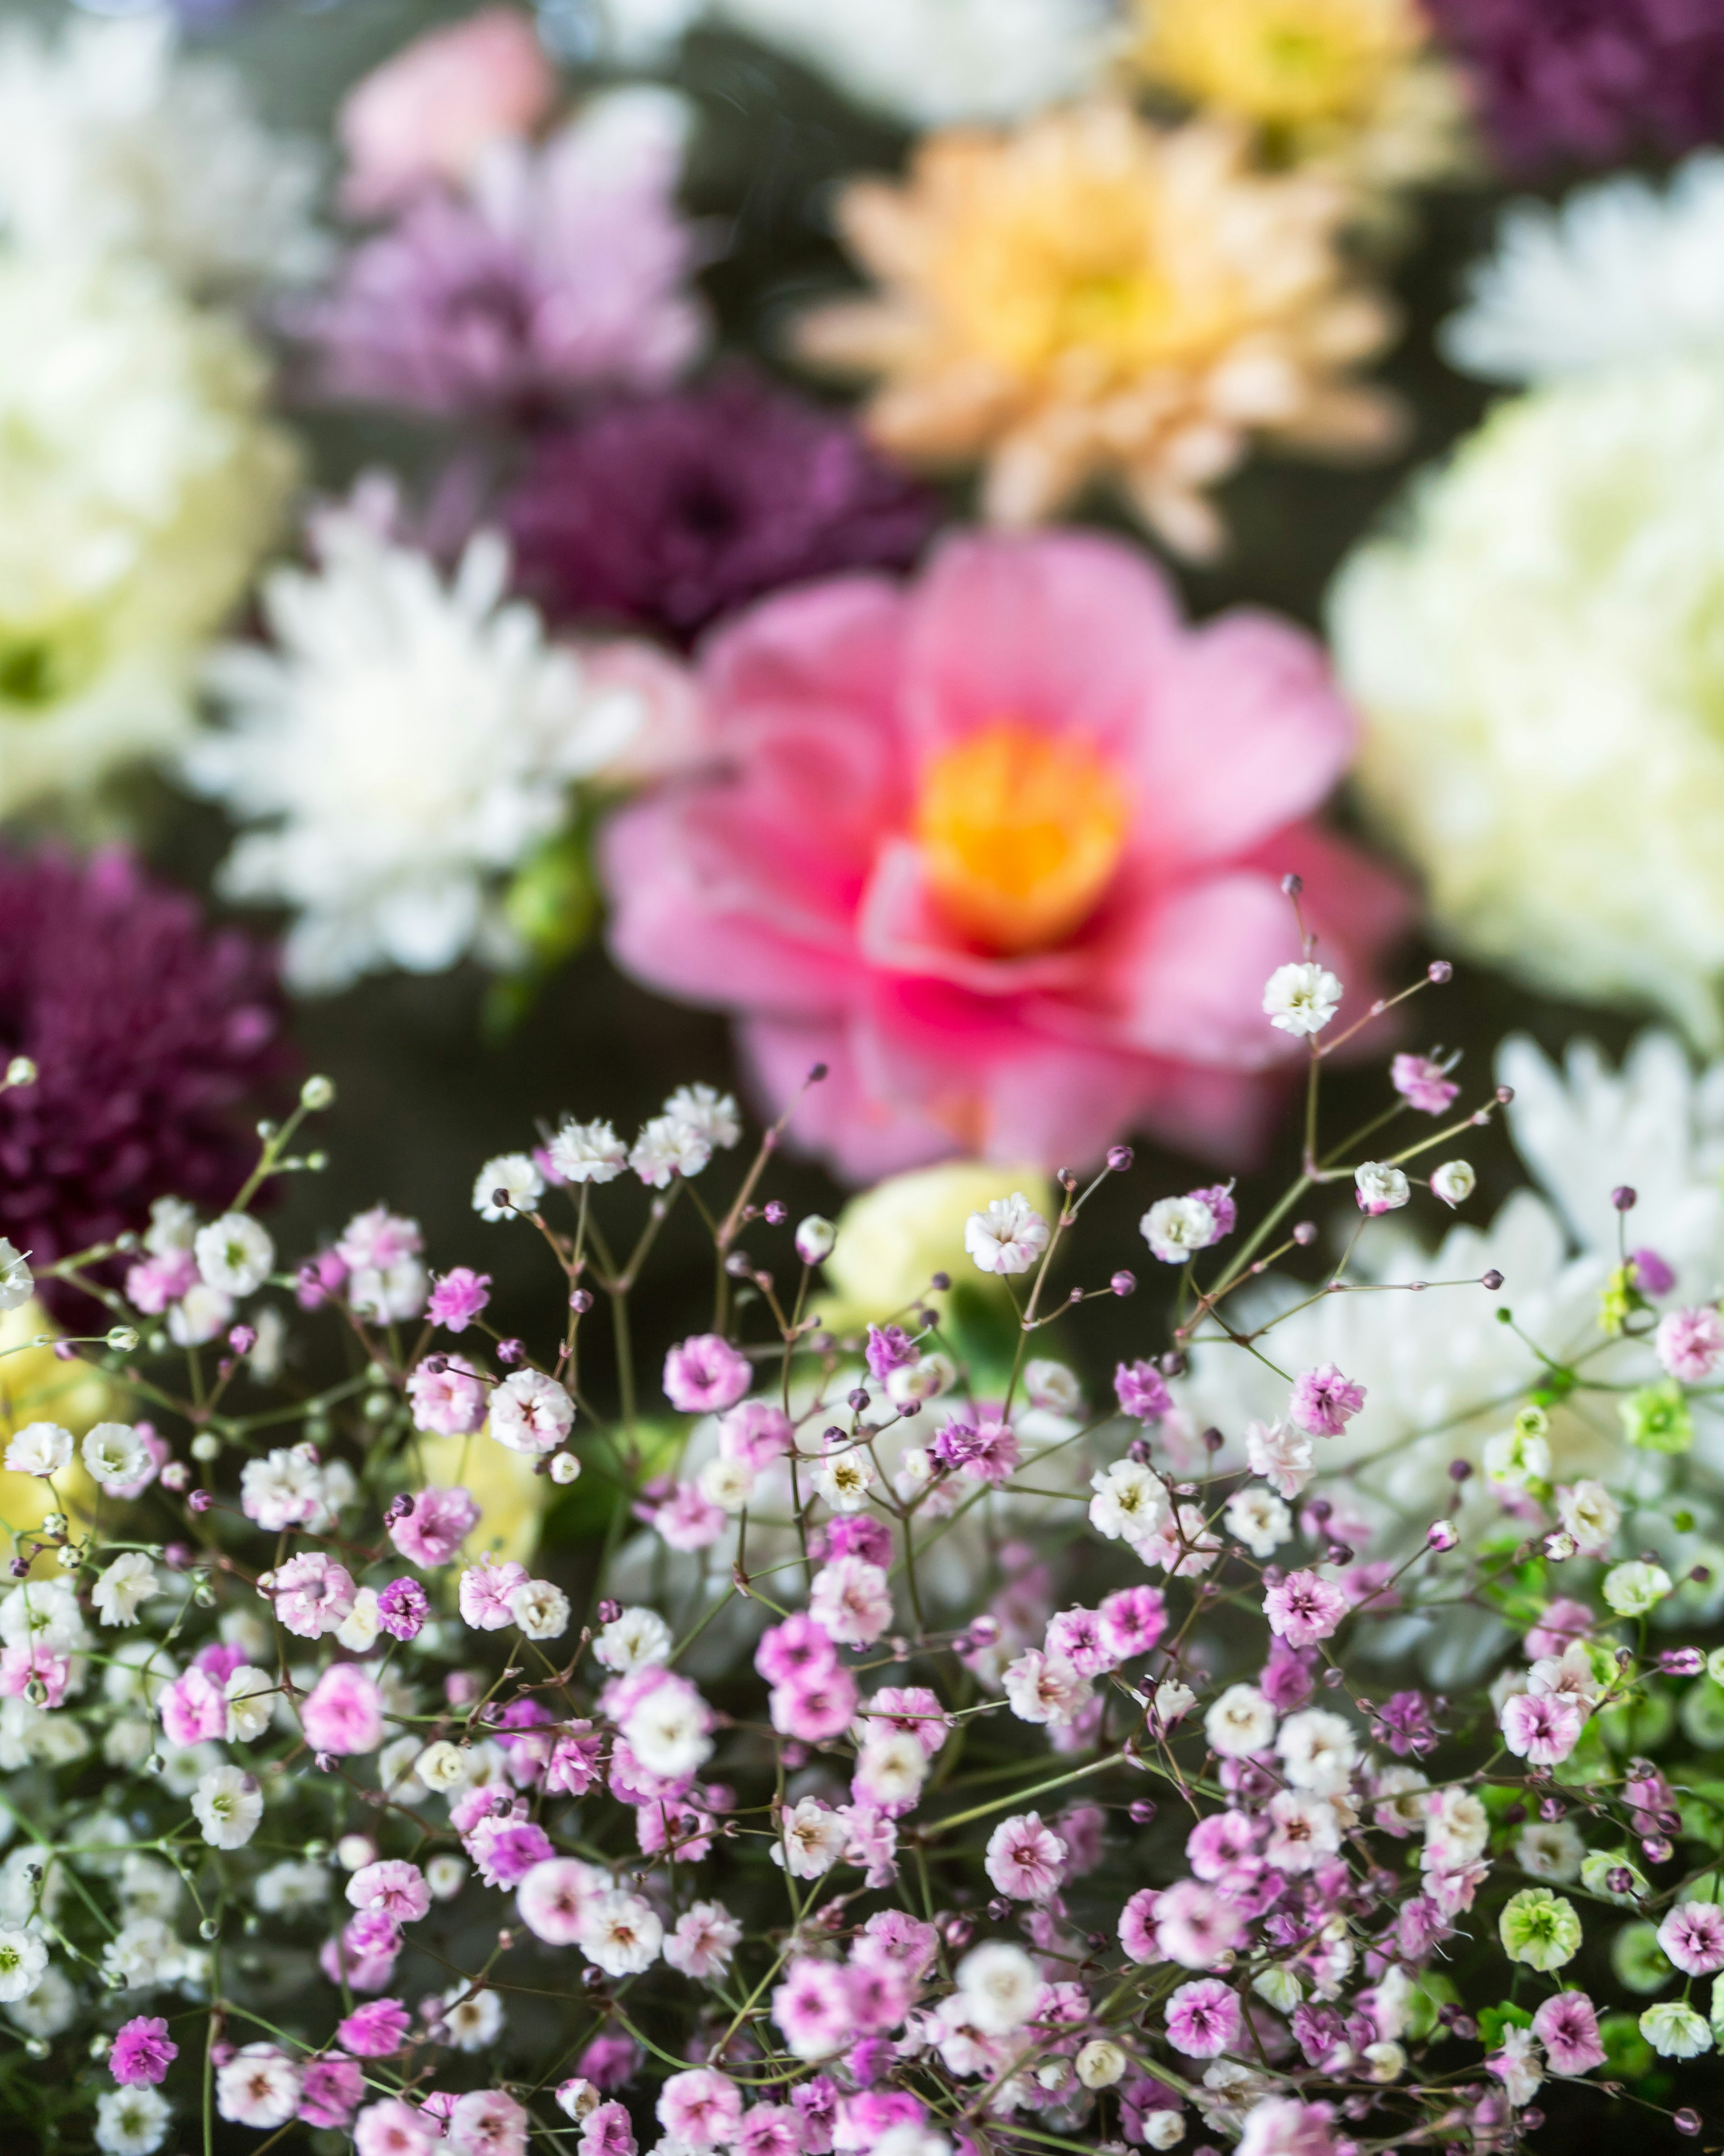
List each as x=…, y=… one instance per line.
x=402, y=1609
x=1589, y=79
x=151, y=1037
x=672, y=510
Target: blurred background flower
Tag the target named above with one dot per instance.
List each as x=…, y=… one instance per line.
x=669, y=512
x=156, y=1042
x=892, y=1239
x=37, y=1386
x=1536, y=657
x=1098, y=296
x=1002, y=849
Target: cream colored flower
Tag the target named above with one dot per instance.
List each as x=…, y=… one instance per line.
x=140, y=483
x=893, y=1240
x=1093, y=294
x=1351, y=86
x=1536, y=657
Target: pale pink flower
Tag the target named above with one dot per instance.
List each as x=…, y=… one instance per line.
x=531, y=1413
x=689, y=1519
x=447, y=1396
x=438, y=1523
x=1203, y=2019
x=701, y=2108
x=834, y=884
x=1283, y=2126
x=1194, y=1925
x=193, y=1709
x=553, y=1898
x=1043, y=1688
x=811, y=1839
x=1516, y=2065
x=1692, y=1935
x=812, y=2008
x=755, y=1433
x=312, y=1594
x=1541, y=1728
x=813, y=1706
x=427, y=114
x=343, y=1713
x=394, y=1887
x=259, y=2085
x=457, y=1297
x=1138, y=1927
x=912, y=1709
x=1567, y=2027
x=704, y=1938
x=771, y=2129
x=872, y=1842
x=1303, y=1831
x=1304, y=1608
x=850, y=1601
x=1281, y=1455
x=705, y=1374
x=1324, y=1401
x=1422, y=1083
x=1079, y=1637
x=487, y=2123
x=607, y=2131
x=485, y=1591
x=1025, y=1859
x=392, y=2127
x=1690, y=1343
x=376, y=2030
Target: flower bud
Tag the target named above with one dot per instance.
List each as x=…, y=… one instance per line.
x=1441, y=1535
x=317, y=1093
x=122, y=1339
x=814, y=1239
x=1454, y=1182
x=564, y=1468
x=21, y=1071
x=1101, y=2064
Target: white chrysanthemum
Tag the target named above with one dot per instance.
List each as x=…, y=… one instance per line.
x=1536, y=658
x=929, y=62
x=1622, y=272
x=407, y=742
x=140, y=484
x=114, y=143
x=1438, y=1369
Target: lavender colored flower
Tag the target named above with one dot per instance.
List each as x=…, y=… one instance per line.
x=1141, y=1391
x=560, y=272
x=403, y=1608
x=142, y=2051
x=1590, y=79
x=673, y=510
x=150, y=1035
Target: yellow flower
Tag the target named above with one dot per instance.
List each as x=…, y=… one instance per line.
x=892, y=1239
x=1096, y=295
x=35, y=1386
x=1351, y=85
x=510, y=1497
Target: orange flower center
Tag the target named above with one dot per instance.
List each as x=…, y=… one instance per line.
x=1021, y=833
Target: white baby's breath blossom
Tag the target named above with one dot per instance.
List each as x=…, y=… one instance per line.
x=1259, y=1519
x=1008, y=1236
x=1000, y=1987
x=227, y=1804
x=113, y=1454
x=512, y=1177
x=1130, y=1502
x=667, y=1147
x=123, y=1586
x=1176, y=1229
x=620, y=1933
x=1380, y=1187
x=132, y=2122
x=637, y=1640
x=470, y=2020
x=40, y=1448
x=1240, y=1722
x=23, y=1957
x=587, y=1152
x=844, y=1480
x=811, y=1840
x=235, y=1254
x=1301, y=998
x=1454, y=1182
x=541, y=1609
x=1621, y=273
x=708, y=1113
x=406, y=743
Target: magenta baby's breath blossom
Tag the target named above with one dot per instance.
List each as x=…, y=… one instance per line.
x=1324, y=1401
x=669, y=511
x=1141, y=1391
x=1567, y=2027
x=556, y=273
x=837, y=884
x=394, y=1887
x=889, y=1348
x=375, y=2029
x=403, y=1608
x=1424, y=1083
x=151, y=1037
x=1203, y=2019
x=343, y=1713
x=1541, y=1728
x=142, y=2051
x=705, y=1374
x=1304, y=1608
x=457, y=1297
x=1692, y=1935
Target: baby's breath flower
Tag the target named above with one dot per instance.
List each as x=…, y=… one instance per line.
x=1540, y=1927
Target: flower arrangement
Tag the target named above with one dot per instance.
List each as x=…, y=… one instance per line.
x=777, y=1830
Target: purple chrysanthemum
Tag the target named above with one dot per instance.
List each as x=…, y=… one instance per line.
x=150, y=1034
x=673, y=510
x=1590, y=78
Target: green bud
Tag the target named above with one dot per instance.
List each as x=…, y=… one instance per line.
x=1656, y=1418
x=1540, y=1928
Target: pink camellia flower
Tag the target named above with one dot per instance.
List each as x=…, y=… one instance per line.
x=1194, y=1925
x=1025, y=1859
x=394, y=1885
x=312, y=1594
x=1003, y=849
x=700, y=2109
x=193, y=1708
x=1422, y=1083
x=375, y=2029
x=1692, y=1935
x=1567, y=2027
x=457, y=1297
x=705, y=1374
x=330, y=2090
x=1304, y=1608
x=447, y=1396
x=1541, y=1728
x=1690, y=1343
x=850, y=1601
x=1324, y=1401
x=393, y=2127
x=439, y=1522
x=142, y=2051
x=1203, y=2019
x=427, y=114
x=485, y=1591
x=487, y=2123
x=343, y=1713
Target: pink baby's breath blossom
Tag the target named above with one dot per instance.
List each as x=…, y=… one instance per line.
x=1283, y=2126
x=343, y=1713
x=375, y=2029
x=704, y=1938
x=812, y=2008
x=142, y=2051
x=312, y=1594
x=1692, y=1935
x=1203, y=2019
x=440, y=1520
x=394, y=1887
x=1422, y=1083
x=1046, y=1688
x=487, y=2123
x=1132, y=1620
x=755, y=1433
x=701, y=2108
x=1194, y=1925
x=330, y=2090
x=402, y=1609
x=689, y=1519
x=1567, y=2027
x=552, y=1898
x=1324, y=1401
x=193, y=1709
x=457, y=1297
x=531, y=1413
x=1141, y=1391
x=608, y=2131
x=1304, y=1608
x=447, y=1396
x=799, y=1647
x=705, y=1374
x=1541, y=1728
x=815, y=1706
x=1690, y=1343
x=911, y=1709
x=1281, y=1455
x=393, y=2127
x=850, y=1601
x=485, y=1591
x=1025, y=1859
